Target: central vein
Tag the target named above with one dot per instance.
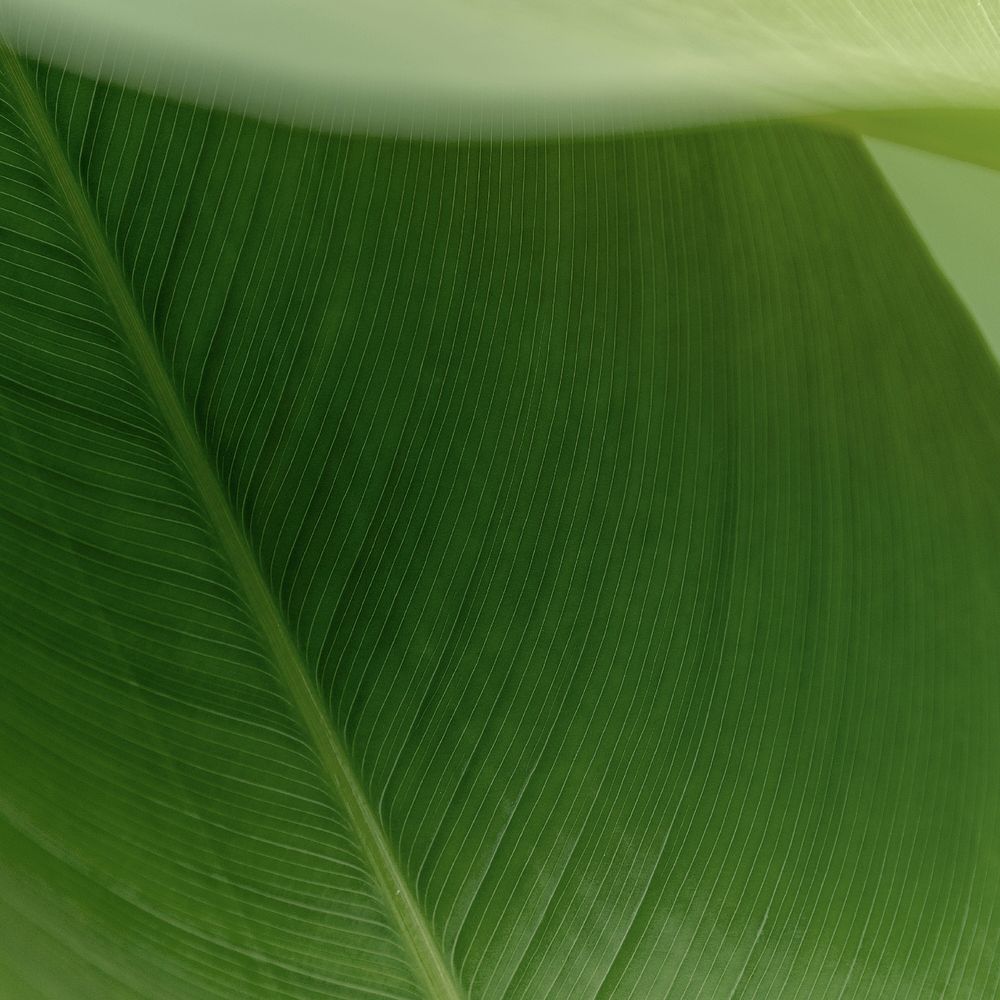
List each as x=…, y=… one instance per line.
x=400, y=900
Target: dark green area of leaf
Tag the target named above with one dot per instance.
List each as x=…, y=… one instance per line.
x=632, y=502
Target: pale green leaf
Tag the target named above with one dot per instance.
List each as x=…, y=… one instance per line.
x=491, y=67
x=953, y=206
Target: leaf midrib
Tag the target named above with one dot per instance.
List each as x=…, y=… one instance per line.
x=400, y=900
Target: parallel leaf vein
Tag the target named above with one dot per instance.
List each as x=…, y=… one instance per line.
x=433, y=968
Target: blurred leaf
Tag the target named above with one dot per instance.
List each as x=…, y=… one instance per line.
x=531, y=66
x=968, y=134
x=954, y=206
x=560, y=569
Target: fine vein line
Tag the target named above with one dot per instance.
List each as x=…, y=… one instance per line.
x=435, y=971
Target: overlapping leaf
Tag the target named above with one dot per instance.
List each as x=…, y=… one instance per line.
x=536, y=66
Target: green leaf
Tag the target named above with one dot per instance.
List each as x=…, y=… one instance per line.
x=953, y=207
x=532, y=569
x=968, y=134
x=536, y=66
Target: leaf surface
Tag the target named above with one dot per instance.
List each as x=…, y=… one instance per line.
x=952, y=205
x=971, y=135
x=530, y=569
x=535, y=66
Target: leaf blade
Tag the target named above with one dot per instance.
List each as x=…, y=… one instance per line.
x=271, y=625
x=609, y=551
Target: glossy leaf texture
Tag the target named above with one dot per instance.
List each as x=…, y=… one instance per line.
x=612, y=522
